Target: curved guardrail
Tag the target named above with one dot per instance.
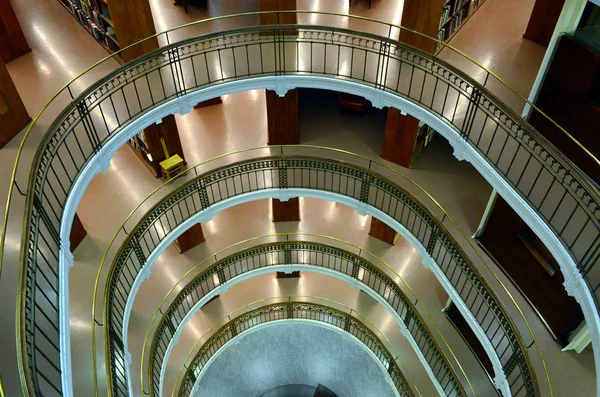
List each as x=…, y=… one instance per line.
x=293, y=310
x=304, y=173
x=551, y=185
x=299, y=253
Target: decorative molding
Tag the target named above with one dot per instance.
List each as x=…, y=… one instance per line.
x=500, y=380
x=460, y=150
x=281, y=84
x=184, y=107
x=145, y=272
x=574, y=283
x=128, y=359
x=66, y=254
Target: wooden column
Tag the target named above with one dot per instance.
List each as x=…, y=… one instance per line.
x=382, y=232
x=282, y=112
x=424, y=17
x=13, y=115
x=12, y=39
x=286, y=211
x=277, y=5
x=282, y=118
x=133, y=22
x=295, y=274
x=78, y=233
x=190, y=239
x=401, y=131
x=543, y=21
x=400, y=137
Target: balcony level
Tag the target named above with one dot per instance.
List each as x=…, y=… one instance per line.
x=110, y=324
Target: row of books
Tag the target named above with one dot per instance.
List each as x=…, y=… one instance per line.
x=453, y=15
x=452, y=9
x=90, y=23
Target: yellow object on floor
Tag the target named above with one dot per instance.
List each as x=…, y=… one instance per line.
x=171, y=166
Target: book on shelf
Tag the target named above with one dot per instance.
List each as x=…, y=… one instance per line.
x=445, y=15
x=89, y=18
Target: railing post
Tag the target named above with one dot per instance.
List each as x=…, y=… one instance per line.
x=287, y=254
x=364, y=187
x=435, y=233
x=88, y=124
x=201, y=189
x=282, y=171
x=471, y=112
x=233, y=329
x=221, y=275
x=347, y=323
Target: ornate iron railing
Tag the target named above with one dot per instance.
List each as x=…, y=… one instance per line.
x=293, y=311
x=346, y=180
x=298, y=253
x=549, y=182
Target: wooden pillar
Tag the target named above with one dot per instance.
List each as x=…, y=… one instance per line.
x=209, y=102
x=190, y=239
x=78, y=233
x=543, y=21
x=13, y=115
x=286, y=211
x=401, y=131
x=282, y=112
x=282, y=118
x=12, y=39
x=277, y=5
x=133, y=21
x=400, y=137
x=295, y=274
x=382, y=232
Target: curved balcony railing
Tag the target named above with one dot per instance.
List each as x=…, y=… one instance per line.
x=289, y=253
x=293, y=310
x=301, y=174
x=90, y=117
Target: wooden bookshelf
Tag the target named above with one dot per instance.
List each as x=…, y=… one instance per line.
x=424, y=137
x=455, y=13
x=94, y=16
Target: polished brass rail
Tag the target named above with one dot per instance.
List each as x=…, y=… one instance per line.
x=299, y=234
x=357, y=156
x=285, y=299
x=21, y=290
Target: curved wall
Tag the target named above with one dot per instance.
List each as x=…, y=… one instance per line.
x=294, y=352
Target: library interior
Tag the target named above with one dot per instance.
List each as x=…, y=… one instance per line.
x=300, y=198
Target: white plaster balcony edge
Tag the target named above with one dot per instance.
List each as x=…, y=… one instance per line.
x=281, y=84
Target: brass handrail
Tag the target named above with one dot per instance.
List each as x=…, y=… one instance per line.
x=66, y=86
x=338, y=240
x=165, y=32
x=380, y=164
x=289, y=297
